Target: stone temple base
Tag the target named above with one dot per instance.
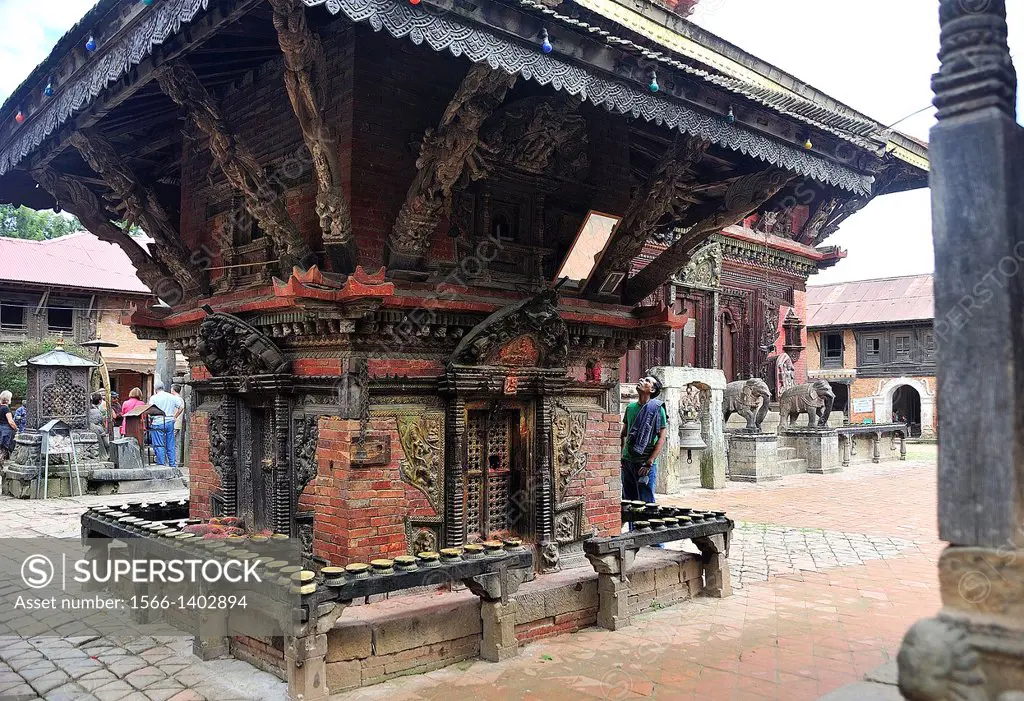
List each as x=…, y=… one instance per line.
x=753, y=457
x=818, y=446
x=422, y=632
x=96, y=473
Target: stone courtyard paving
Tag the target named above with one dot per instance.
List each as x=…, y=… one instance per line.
x=829, y=571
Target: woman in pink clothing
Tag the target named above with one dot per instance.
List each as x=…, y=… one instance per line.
x=134, y=401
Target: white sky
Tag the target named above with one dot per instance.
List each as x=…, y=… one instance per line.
x=875, y=55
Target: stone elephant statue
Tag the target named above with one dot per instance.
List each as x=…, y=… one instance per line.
x=814, y=399
x=748, y=398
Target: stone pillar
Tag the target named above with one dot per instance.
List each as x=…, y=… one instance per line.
x=754, y=457
x=499, y=630
x=715, y=565
x=613, y=588
x=846, y=442
x=672, y=466
x=819, y=447
x=305, y=660
x=972, y=649
x=876, y=448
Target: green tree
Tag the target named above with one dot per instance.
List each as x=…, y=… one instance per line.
x=15, y=378
x=25, y=223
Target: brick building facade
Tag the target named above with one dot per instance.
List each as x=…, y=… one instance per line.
x=874, y=341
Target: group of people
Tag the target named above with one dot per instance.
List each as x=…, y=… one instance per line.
x=163, y=432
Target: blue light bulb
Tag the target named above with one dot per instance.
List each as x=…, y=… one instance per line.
x=545, y=44
x=90, y=44
x=654, y=84
x=147, y=2
x=730, y=117
x=48, y=90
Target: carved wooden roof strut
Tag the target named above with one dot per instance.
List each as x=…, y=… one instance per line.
x=446, y=152
x=141, y=207
x=744, y=196
x=239, y=164
x=663, y=193
x=75, y=197
x=304, y=62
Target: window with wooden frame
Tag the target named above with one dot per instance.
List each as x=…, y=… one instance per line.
x=832, y=350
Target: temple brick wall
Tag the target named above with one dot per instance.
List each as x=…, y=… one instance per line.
x=203, y=479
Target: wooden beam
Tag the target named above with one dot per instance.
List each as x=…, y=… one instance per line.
x=142, y=207
x=663, y=193
x=195, y=34
x=743, y=197
x=76, y=198
x=238, y=163
x=446, y=152
x=305, y=70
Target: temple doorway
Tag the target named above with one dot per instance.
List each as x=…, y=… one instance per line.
x=255, y=474
x=906, y=407
x=494, y=473
x=842, y=401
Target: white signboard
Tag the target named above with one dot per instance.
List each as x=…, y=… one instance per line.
x=861, y=406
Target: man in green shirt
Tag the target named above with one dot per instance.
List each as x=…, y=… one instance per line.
x=643, y=437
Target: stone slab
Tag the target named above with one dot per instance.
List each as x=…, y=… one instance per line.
x=140, y=486
x=753, y=457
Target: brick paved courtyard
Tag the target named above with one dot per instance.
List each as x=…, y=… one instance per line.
x=829, y=572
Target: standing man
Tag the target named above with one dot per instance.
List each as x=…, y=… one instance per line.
x=642, y=438
x=163, y=426
x=21, y=415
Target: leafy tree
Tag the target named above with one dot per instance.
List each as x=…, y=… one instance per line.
x=25, y=223
x=15, y=378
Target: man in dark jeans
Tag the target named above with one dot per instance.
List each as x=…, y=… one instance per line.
x=643, y=437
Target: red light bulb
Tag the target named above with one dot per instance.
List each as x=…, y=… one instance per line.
x=415, y=2
x=20, y=117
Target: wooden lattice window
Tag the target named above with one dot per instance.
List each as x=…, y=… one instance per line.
x=488, y=472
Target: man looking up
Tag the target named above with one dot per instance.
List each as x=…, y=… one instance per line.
x=642, y=438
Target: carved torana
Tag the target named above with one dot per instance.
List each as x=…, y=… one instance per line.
x=536, y=319
x=238, y=163
x=663, y=194
x=229, y=346
x=744, y=196
x=704, y=270
x=446, y=152
x=305, y=70
x=422, y=439
x=570, y=429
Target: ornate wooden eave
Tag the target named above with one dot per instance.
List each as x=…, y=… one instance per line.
x=142, y=207
x=305, y=70
x=744, y=196
x=662, y=194
x=446, y=152
x=75, y=197
x=239, y=165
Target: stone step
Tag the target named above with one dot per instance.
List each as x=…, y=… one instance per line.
x=786, y=453
x=793, y=466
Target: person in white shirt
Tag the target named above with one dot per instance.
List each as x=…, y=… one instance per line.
x=162, y=432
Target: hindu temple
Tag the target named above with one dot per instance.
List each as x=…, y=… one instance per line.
x=411, y=247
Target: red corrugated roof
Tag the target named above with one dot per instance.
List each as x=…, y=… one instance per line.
x=881, y=301
x=77, y=260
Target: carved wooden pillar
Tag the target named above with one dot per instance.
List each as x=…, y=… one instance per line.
x=972, y=649
x=454, y=516
x=229, y=480
x=305, y=68
x=544, y=492
x=282, y=465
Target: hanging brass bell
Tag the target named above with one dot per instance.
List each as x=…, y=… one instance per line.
x=690, y=438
